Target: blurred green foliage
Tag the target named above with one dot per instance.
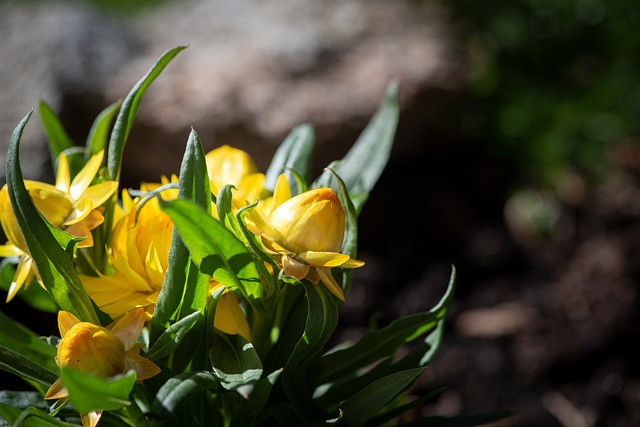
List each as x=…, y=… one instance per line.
x=555, y=83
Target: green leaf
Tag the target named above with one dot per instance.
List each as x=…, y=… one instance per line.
x=215, y=249
x=15, y=363
x=396, y=411
x=89, y=392
x=44, y=240
x=127, y=113
x=57, y=136
x=235, y=363
x=322, y=318
x=184, y=289
x=21, y=339
x=365, y=403
x=172, y=336
x=29, y=417
x=295, y=153
x=383, y=343
x=367, y=158
x=99, y=132
x=180, y=388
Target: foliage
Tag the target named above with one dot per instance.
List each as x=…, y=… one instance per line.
x=553, y=83
x=194, y=307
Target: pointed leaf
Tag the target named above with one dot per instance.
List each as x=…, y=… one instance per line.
x=215, y=249
x=184, y=289
x=44, y=241
x=365, y=403
x=99, y=132
x=172, y=336
x=180, y=388
x=57, y=136
x=90, y=392
x=235, y=363
x=128, y=111
x=367, y=158
x=295, y=153
x=382, y=343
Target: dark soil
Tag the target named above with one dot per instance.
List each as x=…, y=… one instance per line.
x=544, y=325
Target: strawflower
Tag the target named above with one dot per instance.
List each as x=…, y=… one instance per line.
x=73, y=206
x=139, y=254
x=229, y=165
x=306, y=232
x=103, y=351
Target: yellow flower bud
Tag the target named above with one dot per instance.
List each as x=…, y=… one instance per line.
x=311, y=221
x=91, y=348
x=228, y=165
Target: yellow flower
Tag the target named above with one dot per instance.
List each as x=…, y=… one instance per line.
x=307, y=231
x=102, y=351
x=228, y=165
x=229, y=317
x=139, y=254
x=73, y=206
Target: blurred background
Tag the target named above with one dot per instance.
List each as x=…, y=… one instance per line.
x=516, y=159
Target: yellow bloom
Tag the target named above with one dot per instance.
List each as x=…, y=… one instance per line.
x=73, y=206
x=229, y=317
x=139, y=253
x=306, y=232
x=102, y=351
x=228, y=165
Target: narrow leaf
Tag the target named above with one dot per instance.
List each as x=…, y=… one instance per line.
x=128, y=111
x=52, y=261
x=365, y=403
x=57, y=136
x=184, y=289
x=382, y=343
x=15, y=363
x=172, y=336
x=29, y=417
x=295, y=153
x=99, y=132
x=180, y=388
x=363, y=164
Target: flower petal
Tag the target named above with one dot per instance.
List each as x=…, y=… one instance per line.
x=81, y=230
x=99, y=193
x=24, y=274
x=128, y=328
x=91, y=419
x=56, y=391
x=324, y=259
x=83, y=179
x=229, y=317
x=294, y=268
x=144, y=368
x=330, y=283
x=63, y=177
x=66, y=321
x=10, y=250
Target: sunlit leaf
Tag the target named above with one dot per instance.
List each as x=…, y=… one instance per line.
x=89, y=392
x=294, y=154
x=44, y=240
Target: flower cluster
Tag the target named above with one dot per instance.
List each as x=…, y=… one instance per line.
x=207, y=297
